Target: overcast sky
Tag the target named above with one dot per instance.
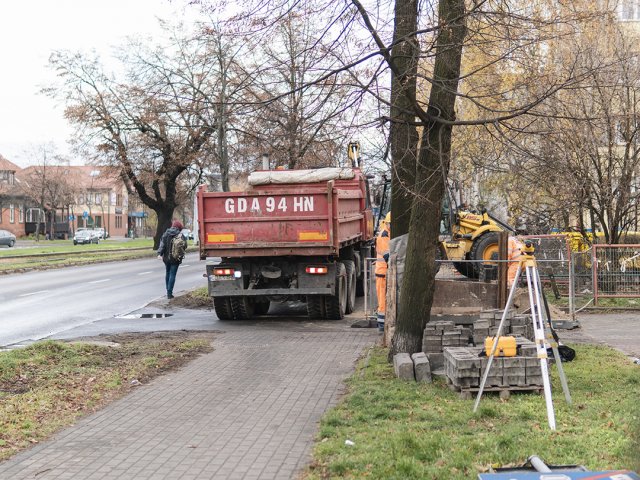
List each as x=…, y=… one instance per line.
x=31, y=30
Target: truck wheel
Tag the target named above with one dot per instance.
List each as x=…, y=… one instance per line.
x=315, y=307
x=484, y=248
x=350, y=269
x=335, y=305
x=222, y=306
x=243, y=308
x=261, y=307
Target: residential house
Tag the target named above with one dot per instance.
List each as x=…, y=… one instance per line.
x=62, y=198
x=13, y=200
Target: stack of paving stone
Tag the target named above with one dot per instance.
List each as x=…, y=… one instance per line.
x=464, y=368
x=438, y=335
x=488, y=322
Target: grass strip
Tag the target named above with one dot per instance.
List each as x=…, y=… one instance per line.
x=405, y=430
x=49, y=384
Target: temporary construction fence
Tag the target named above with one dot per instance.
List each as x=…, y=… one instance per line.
x=616, y=271
x=577, y=275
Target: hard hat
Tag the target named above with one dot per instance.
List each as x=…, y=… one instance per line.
x=387, y=219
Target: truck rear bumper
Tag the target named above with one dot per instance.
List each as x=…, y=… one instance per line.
x=270, y=291
x=270, y=278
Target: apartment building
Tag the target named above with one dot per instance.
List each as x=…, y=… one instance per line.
x=61, y=199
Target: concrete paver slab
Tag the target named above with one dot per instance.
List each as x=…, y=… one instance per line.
x=249, y=409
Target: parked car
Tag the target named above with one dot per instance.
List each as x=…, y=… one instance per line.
x=85, y=235
x=102, y=233
x=7, y=238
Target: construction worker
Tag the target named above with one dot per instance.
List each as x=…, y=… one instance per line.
x=514, y=252
x=382, y=260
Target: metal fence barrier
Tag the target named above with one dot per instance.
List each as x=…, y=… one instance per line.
x=576, y=277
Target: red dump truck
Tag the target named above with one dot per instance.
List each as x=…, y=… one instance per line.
x=292, y=235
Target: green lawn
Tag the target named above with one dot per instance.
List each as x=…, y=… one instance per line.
x=61, y=246
x=405, y=430
x=12, y=259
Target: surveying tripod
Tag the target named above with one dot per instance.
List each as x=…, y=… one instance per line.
x=541, y=328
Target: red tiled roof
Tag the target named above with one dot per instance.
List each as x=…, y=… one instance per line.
x=7, y=165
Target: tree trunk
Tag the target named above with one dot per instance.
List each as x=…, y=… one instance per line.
x=416, y=295
x=403, y=135
x=165, y=218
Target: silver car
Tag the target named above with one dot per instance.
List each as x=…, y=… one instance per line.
x=7, y=238
x=83, y=236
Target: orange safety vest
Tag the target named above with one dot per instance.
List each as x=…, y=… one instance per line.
x=513, y=254
x=382, y=249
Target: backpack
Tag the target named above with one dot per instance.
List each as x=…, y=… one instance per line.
x=177, y=249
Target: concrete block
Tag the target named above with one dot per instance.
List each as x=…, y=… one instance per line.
x=534, y=380
x=444, y=326
x=520, y=320
x=515, y=380
x=518, y=329
x=421, y=367
x=481, y=324
x=529, y=351
x=514, y=362
x=496, y=365
x=488, y=314
x=436, y=360
x=431, y=340
x=403, y=366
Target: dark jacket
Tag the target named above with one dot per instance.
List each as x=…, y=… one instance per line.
x=165, y=244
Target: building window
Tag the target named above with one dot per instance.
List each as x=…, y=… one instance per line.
x=98, y=199
x=7, y=177
x=118, y=221
x=81, y=199
x=119, y=200
x=629, y=10
x=12, y=213
x=98, y=221
x=21, y=214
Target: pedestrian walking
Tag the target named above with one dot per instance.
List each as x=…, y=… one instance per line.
x=171, y=251
x=382, y=260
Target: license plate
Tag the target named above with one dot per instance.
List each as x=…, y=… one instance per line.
x=217, y=278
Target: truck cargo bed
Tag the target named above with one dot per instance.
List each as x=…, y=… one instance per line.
x=274, y=220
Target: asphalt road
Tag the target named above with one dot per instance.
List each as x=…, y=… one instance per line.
x=43, y=304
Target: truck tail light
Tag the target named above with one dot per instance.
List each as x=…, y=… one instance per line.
x=223, y=272
x=317, y=270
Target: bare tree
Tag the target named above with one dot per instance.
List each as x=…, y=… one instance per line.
x=47, y=183
x=153, y=125
x=301, y=120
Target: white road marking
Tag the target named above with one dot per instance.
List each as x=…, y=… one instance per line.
x=145, y=273
x=100, y=281
x=33, y=293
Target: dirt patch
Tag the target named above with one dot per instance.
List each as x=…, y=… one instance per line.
x=194, y=302
x=49, y=385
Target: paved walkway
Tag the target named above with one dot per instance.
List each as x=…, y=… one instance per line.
x=247, y=410
x=618, y=330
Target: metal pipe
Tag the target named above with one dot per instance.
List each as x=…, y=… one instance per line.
x=539, y=466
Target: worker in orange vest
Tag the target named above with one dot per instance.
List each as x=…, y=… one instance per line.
x=382, y=260
x=514, y=252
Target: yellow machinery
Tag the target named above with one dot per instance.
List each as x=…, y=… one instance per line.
x=471, y=236
x=464, y=234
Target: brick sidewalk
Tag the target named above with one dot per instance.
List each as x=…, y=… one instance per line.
x=247, y=410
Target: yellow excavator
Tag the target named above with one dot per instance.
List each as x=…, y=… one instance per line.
x=465, y=234
x=472, y=235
